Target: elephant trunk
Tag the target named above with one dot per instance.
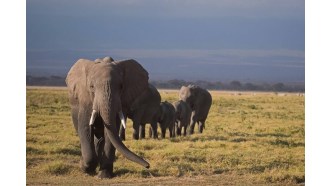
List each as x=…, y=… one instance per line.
x=109, y=113
x=115, y=140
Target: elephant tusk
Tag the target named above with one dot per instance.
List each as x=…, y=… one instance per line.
x=122, y=119
x=93, y=117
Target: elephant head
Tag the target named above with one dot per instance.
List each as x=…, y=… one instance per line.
x=98, y=90
x=167, y=118
x=189, y=94
x=105, y=59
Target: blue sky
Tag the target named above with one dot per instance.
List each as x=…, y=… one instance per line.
x=220, y=40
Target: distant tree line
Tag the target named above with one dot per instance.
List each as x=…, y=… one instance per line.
x=45, y=81
x=176, y=84
x=232, y=85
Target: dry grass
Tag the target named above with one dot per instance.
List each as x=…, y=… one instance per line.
x=249, y=139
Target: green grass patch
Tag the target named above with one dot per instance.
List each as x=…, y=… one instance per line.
x=248, y=139
x=57, y=168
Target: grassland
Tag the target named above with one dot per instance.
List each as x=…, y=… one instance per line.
x=249, y=139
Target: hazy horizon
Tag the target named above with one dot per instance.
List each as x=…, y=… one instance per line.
x=191, y=40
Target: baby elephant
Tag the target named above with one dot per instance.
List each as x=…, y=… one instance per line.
x=166, y=119
x=182, y=117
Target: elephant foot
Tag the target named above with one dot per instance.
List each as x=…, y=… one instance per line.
x=200, y=129
x=155, y=135
x=191, y=132
x=105, y=174
x=135, y=136
x=178, y=133
x=88, y=169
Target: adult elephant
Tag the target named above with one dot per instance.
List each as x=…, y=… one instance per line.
x=182, y=116
x=98, y=91
x=199, y=101
x=143, y=110
x=166, y=119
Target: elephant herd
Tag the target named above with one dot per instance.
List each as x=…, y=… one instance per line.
x=103, y=93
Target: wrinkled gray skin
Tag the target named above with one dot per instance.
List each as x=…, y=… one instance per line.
x=166, y=119
x=104, y=89
x=182, y=117
x=143, y=110
x=200, y=101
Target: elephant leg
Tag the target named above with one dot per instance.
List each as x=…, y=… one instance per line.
x=170, y=129
x=192, y=124
x=88, y=161
x=179, y=131
x=154, y=130
x=142, y=131
x=178, y=128
x=163, y=132
x=184, y=131
x=122, y=133
x=108, y=154
x=99, y=145
x=201, y=126
x=107, y=159
x=136, y=126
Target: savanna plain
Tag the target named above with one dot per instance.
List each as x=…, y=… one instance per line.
x=249, y=139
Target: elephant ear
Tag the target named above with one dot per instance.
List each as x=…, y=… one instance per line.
x=76, y=80
x=135, y=80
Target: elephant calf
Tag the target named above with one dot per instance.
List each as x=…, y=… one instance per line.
x=200, y=101
x=182, y=116
x=166, y=119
